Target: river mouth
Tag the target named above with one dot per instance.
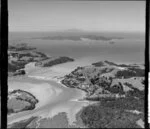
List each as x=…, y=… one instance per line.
x=53, y=98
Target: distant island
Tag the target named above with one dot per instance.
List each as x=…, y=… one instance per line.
x=77, y=37
x=118, y=89
x=21, y=54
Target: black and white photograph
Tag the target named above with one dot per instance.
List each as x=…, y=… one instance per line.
x=76, y=64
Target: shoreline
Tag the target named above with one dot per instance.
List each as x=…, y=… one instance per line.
x=70, y=107
x=57, y=80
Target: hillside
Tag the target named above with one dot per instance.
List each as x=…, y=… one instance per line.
x=19, y=100
x=117, y=89
x=53, y=61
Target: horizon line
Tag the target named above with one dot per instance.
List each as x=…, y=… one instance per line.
x=77, y=31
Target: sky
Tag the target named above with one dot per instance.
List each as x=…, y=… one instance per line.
x=50, y=15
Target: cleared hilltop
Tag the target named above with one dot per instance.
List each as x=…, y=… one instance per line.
x=19, y=100
x=118, y=91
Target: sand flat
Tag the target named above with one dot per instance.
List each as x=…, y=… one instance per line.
x=54, y=98
x=44, y=92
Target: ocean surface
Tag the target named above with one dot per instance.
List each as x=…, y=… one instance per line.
x=130, y=49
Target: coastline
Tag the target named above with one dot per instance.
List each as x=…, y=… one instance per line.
x=55, y=74
x=36, y=93
x=58, y=80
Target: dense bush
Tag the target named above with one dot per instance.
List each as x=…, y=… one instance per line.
x=26, y=55
x=58, y=61
x=11, y=68
x=9, y=111
x=143, y=81
x=98, y=64
x=42, y=54
x=16, y=66
x=19, y=72
x=23, y=123
x=136, y=93
x=110, y=63
x=117, y=88
x=125, y=74
x=127, y=103
x=104, y=82
x=123, y=65
x=19, y=65
x=132, y=72
x=100, y=116
x=139, y=72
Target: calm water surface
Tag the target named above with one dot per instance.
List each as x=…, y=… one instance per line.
x=128, y=50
